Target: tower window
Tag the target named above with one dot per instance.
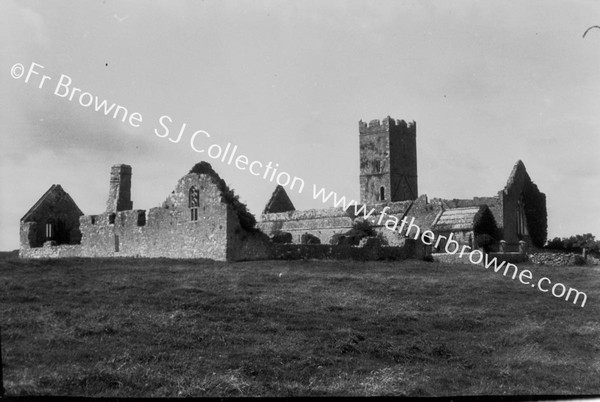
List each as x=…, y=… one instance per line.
x=111, y=219
x=194, y=203
x=377, y=166
x=382, y=193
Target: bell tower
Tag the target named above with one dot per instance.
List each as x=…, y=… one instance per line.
x=388, y=161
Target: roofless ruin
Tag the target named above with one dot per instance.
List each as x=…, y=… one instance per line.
x=203, y=218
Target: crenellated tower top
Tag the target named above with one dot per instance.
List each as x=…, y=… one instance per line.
x=388, y=160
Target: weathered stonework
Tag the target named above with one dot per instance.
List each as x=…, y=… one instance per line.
x=55, y=216
x=388, y=179
x=119, y=195
x=554, y=259
x=279, y=202
x=511, y=208
x=388, y=161
x=208, y=228
x=202, y=218
x=322, y=223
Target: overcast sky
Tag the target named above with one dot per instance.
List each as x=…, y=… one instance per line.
x=488, y=83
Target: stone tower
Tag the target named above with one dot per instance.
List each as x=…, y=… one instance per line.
x=119, y=195
x=388, y=161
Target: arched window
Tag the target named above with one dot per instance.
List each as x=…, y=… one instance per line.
x=194, y=203
x=521, y=220
x=50, y=229
x=382, y=193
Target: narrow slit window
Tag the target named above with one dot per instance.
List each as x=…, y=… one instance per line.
x=377, y=166
x=50, y=230
x=382, y=193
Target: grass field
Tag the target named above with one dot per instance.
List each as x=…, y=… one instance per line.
x=136, y=327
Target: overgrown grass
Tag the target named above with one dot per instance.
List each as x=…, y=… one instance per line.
x=137, y=327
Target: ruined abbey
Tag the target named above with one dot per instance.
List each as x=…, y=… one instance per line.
x=202, y=218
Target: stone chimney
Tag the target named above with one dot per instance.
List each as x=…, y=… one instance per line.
x=119, y=195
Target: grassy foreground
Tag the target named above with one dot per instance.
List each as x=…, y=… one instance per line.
x=136, y=327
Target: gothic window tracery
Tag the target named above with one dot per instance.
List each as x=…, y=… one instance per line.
x=194, y=203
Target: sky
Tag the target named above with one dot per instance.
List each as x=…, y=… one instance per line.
x=487, y=82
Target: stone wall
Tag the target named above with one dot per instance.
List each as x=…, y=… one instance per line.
x=323, y=223
x=170, y=231
x=166, y=231
x=520, y=189
x=463, y=238
x=512, y=258
x=119, y=193
x=366, y=252
x=51, y=250
x=554, y=259
x=509, y=257
x=451, y=258
x=388, y=160
x=279, y=202
x=57, y=208
x=494, y=204
x=424, y=213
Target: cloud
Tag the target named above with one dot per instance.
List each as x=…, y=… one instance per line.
x=36, y=122
x=22, y=27
x=36, y=25
x=66, y=128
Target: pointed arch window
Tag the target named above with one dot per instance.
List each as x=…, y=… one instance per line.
x=521, y=219
x=194, y=203
x=382, y=193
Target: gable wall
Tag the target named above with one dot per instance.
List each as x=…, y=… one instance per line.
x=59, y=206
x=168, y=230
x=510, y=197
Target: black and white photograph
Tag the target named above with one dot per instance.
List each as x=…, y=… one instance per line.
x=300, y=198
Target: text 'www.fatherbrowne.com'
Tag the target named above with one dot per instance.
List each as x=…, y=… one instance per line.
x=64, y=87
x=477, y=257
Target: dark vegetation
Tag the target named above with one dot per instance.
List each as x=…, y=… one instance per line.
x=280, y=237
x=153, y=328
x=535, y=213
x=487, y=242
x=308, y=238
x=246, y=218
x=485, y=223
x=575, y=244
x=486, y=229
x=360, y=230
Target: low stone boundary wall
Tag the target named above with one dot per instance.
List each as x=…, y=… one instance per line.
x=48, y=251
x=450, y=258
x=512, y=258
x=556, y=259
x=254, y=247
x=337, y=252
